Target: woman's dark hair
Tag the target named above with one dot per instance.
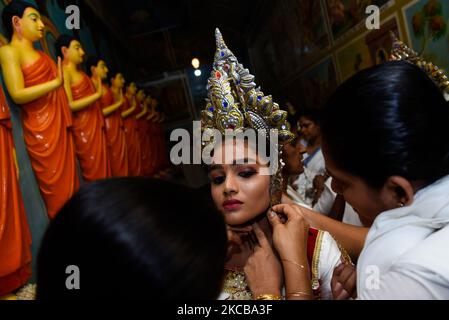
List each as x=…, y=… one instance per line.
x=63, y=40
x=313, y=114
x=388, y=120
x=14, y=8
x=134, y=238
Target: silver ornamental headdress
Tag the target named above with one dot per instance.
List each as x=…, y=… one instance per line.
x=235, y=104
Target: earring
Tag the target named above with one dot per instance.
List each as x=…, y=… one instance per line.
x=400, y=204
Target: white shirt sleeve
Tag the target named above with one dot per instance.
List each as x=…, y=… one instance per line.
x=403, y=283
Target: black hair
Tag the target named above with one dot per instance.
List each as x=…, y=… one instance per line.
x=92, y=61
x=388, y=120
x=14, y=8
x=63, y=40
x=134, y=238
x=313, y=114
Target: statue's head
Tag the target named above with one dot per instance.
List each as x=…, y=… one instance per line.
x=97, y=67
x=118, y=81
x=23, y=20
x=140, y=96
x=154, y=104
x=69, y=49
x=131, y=89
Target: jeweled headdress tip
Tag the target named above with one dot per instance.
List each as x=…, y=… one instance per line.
x=235, y=102
x=400, y=51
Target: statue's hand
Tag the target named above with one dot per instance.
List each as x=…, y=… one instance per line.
x=100, y=86
x=60, y=78
x=120, y=96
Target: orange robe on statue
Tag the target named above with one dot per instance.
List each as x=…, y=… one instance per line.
x=89, y=134
x=132, y=141
x=15, y=237
x=115, y=135
x=47, y=132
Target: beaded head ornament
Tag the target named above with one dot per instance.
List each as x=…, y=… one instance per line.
x=400, y=51
x=234, y=104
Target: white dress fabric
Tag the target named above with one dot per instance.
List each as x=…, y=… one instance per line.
x=326, y=201
x=313, y=165
x=315, y=162
x=406, y=254
x=302, y=187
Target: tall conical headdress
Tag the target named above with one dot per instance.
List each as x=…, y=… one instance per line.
x=234, y=103
x=400, y=51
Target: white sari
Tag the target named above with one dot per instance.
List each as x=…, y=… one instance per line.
x=406, y=253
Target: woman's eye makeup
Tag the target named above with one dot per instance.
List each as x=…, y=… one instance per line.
x=247, y=173
x=217, y=179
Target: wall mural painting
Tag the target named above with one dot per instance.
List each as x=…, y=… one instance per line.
x=306, y=32
x=368, y=50
x=427, y=29
x=344, y=15
x=319, y=82
x=264, y=60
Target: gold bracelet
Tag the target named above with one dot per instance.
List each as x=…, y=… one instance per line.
x=268, y=297
x=299, y=265
x=300, y=294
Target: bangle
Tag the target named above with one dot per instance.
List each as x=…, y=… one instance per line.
x=299, y=265
x=268, y=297
x=300, y=294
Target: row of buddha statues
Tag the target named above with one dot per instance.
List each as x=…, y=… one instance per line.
x=76, y=129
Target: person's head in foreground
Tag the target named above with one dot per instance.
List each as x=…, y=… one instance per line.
x=385, y=137
x=129, y=240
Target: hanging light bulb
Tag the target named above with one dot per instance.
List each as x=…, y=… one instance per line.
x=195, y=63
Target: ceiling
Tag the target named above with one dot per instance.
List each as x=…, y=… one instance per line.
x=164, y=35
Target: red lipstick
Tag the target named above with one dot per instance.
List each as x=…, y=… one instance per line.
x=232, y=204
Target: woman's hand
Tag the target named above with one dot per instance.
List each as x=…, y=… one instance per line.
x=290, y=238
x=344, y=282
x=120, y=96
x=99, y=86
x=263, y=270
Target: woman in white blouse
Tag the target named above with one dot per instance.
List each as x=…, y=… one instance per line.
x=386, y=147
